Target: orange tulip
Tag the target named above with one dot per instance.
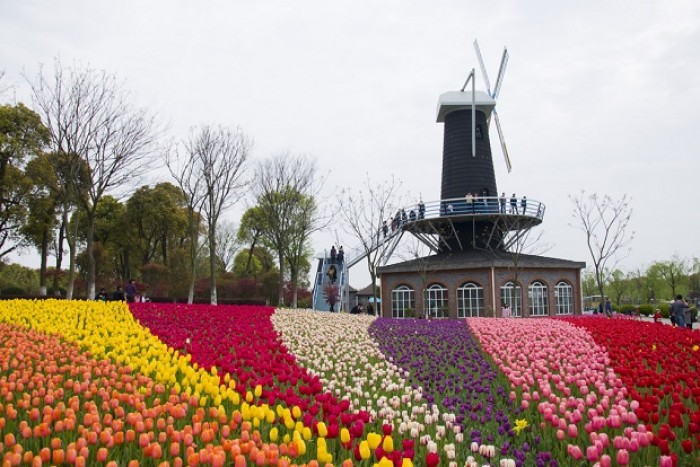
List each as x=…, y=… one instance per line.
x=58, y=456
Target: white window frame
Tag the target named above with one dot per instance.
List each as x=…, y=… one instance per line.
x=564, y=297
x=402, y=297
x=512, y=294
x=435, y=300
x=470, y=300
x=539, y=300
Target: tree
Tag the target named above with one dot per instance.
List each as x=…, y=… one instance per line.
x=618, y=285
x=89, y=114
x=285, y=190
x=221, y=155
x=185, y=168
x=250, y=231
x=22, y=135
x=227, y=244
x=605, y=222
x=157, y=218
x=41, y=220
x=675, y=272
x=362, y=210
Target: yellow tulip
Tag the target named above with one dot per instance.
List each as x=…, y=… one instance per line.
x=274, y=434
x=322, y=430
x=373, y=439
x=364, y=450
x=388, y=444
x=258, y=391
x=344, y=435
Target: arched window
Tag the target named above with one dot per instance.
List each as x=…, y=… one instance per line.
x=435, y=301
x=564, y=298
x=403, y=302
x=512, y=295
x=537, y=292
x=470, y=300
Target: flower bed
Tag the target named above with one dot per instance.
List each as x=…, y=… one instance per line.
x=658, y=365
x=87, y=383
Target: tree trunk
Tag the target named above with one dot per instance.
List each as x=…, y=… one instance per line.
x=250, y=256
x=295, y=291
x=212, y=263
x=59, y=249
x=280, y=288
x=44, y=257
x=193, y=257
x=71, y=237
x=89, y=249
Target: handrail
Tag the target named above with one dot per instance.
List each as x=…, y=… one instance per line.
x=480, y=206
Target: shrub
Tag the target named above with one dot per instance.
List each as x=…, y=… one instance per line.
x=13, y=291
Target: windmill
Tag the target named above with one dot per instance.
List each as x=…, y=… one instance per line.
x=494, y=94
x=467, y=118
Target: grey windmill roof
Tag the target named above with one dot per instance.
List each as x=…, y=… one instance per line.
x=477, y=259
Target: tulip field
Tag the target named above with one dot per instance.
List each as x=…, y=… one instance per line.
x=91, y=383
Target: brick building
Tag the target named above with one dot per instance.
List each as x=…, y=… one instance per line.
x=476, y=283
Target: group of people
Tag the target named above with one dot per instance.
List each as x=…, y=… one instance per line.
x=680, y=313
x=604, y=307
x=401, y=218
x=483, y=203
x=336, y=257
x=128, y=294
x=360, y=309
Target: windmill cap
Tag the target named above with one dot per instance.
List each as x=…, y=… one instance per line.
x=460, y=100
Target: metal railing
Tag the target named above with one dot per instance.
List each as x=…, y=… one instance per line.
x=479, y=207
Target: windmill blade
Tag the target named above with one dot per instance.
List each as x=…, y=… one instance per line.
x=501, y=72
x=502, y=139
x=483, y=68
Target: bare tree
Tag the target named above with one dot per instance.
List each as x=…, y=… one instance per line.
x=184, y=168
x=518, y=242
x=220, y=157
x=227, y=244
x=286, y=191
x=89, y=113
x=605, y=223
x=363, y=211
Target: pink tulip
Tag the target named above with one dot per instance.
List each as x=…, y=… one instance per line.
x=574, y=451
x=572, y=430
x=666, y=461
x=605, y=461
x=623, y=457
x=592, y=453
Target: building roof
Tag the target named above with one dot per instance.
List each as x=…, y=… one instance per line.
x=478, y=259
x=368, y=290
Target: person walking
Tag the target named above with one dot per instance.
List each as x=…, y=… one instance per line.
x=131, y=291
x=332, y=274
x=513, y=204
x=523, y=203
x=340, y=257
x=678, y=308
x=333, y=254
x=608, y=308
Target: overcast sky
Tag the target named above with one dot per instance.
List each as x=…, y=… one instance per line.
x=598, y=95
